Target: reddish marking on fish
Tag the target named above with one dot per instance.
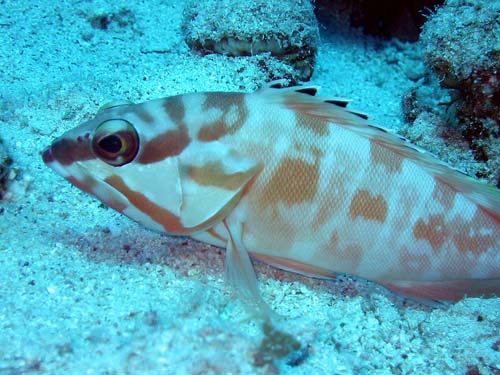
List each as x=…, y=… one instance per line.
x=434, y=230
x=368, y=206
x=168, y=220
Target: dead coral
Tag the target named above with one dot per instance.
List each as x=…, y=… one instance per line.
x=286, y=29
x=462, y=47
x=384, y=18
x=103, y=21
x=5, y=166
x=277, y=344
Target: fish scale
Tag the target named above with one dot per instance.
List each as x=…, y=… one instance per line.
x=294, y=180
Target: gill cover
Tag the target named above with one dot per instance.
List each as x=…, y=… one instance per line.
x=212, y=177
x=183, y=193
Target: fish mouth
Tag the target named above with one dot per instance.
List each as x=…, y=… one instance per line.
x=47, y=155
x=56, y=158
x=52, y=162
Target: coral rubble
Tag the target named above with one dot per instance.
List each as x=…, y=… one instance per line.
x=287, y=30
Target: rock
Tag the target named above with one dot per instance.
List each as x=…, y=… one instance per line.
x=462, y=47
x=5, y=165
x=287, y=30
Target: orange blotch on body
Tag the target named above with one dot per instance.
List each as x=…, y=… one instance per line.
x=434, y=231
x=294, y=181
x=317, y=126
x=385, y=157
x=478, y=235
x=368, y=207
x=443, y=194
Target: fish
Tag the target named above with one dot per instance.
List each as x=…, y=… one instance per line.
x=297, y=181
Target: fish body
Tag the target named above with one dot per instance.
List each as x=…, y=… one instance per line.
x=294, y=180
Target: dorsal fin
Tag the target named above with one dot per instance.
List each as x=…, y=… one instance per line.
x=486, y=196
x=364, y=116
x=339, y=102
x=310, y=91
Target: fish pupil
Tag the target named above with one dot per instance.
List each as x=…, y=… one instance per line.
x=111, y=144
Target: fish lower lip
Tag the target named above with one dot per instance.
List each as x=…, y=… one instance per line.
x=47, y=155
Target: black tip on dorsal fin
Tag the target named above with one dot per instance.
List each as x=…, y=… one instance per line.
x=277, y=84
x=383, y=130
x=339, y=102
x=364, y=116
x=308, y=90
x=312, y=91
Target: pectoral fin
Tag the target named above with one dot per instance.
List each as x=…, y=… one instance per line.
x=240, y=273
x=212, y=178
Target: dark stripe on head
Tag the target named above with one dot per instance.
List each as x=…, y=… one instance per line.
x=223, y=101
x=175, y=109
x=171, y=143
x=66, y=151
x=168, y=220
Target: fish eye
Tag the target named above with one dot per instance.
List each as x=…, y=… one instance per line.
x=115, y=142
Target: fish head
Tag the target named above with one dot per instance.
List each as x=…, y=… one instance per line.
x=143, y=161
x=115, y=158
